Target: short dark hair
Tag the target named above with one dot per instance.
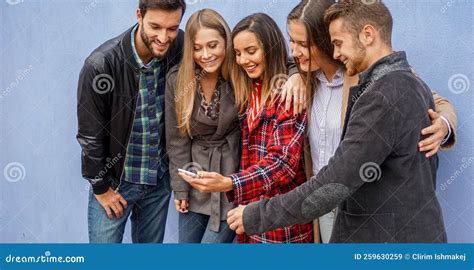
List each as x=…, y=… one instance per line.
x=358, y=13
x=168, y=5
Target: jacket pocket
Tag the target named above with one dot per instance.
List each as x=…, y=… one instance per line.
x=364, y=228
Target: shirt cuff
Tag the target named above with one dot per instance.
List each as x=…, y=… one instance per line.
x=251, y=219
x=449, y=130
x=236, y=190
x=100, y=187
x=181, y=195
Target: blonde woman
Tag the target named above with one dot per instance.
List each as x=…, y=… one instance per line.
x=202, y=126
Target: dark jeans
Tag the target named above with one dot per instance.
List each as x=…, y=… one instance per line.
x=148, y=206
x=194, y=228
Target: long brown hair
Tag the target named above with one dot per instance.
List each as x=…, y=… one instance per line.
x=189, y=73
x=311, y=14
x=273, y=44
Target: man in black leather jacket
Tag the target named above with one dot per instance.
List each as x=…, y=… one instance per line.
x=122, y=138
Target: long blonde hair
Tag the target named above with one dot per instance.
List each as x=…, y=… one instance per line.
x=273, y=44
x=189, y=73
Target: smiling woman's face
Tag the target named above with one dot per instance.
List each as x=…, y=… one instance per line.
x=249, y=54
x=209, y=50
x=299, y=47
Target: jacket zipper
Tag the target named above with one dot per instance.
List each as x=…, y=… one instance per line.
x=129, y=135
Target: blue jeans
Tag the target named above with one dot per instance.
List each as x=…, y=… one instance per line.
x=194, y=228
x=148, y=206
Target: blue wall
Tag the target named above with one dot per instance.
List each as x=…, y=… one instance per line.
x=44, y=43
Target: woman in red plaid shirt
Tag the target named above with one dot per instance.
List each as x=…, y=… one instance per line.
x=272, y=138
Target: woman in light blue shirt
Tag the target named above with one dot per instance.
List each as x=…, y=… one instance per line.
x=327, y=85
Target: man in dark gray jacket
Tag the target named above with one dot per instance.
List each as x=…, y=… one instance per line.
x=383, y=186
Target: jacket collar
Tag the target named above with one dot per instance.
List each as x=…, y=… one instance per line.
x=228, y=109
x=396, y=61
x=127, y=48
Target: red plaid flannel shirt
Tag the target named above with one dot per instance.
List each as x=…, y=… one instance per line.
x=271, y=164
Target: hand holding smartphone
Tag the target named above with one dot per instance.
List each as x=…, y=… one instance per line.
x=188, y=173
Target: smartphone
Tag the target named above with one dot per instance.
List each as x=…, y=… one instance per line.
x=188, y=173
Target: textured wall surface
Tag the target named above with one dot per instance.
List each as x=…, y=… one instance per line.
x=42, y=48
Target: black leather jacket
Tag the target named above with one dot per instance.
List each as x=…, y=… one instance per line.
x=106, y=99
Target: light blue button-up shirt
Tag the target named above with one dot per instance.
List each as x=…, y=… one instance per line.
x=325, y=119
